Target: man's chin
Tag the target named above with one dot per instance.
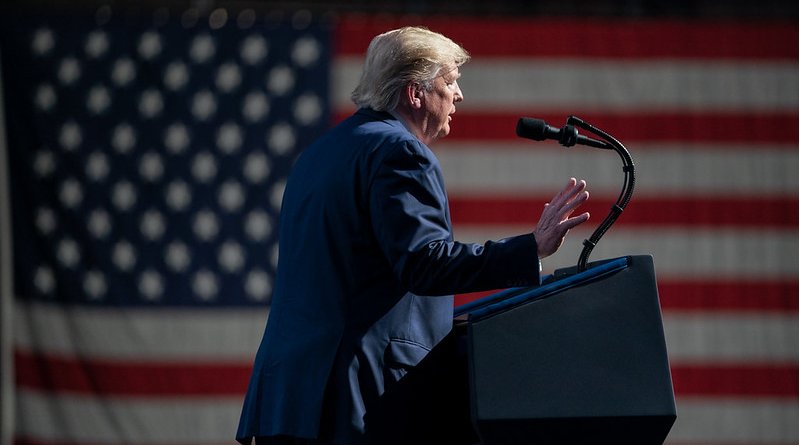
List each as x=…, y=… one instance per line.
x=442, y=133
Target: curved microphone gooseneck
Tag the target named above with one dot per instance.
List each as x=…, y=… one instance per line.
x=568, y=136
x=624, y=195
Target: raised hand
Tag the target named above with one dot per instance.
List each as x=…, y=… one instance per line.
x=555, y=221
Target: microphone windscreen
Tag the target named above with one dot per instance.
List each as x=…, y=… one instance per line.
x=531, y=128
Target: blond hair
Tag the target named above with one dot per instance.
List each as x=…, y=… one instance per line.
x=399, y=57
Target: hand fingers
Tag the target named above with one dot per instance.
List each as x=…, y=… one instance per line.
x=565, y=190
x=575, y=203
x=562, y=210
x=555, y=220
x=569, y=223
x=554, y=213
x=572, y=189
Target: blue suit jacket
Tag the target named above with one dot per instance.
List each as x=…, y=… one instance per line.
x=365, y=280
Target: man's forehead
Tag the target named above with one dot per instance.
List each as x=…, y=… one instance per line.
x=449, y=71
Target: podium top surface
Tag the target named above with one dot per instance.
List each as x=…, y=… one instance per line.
x=506, y=299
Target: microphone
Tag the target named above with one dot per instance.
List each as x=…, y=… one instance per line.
x=538, y=130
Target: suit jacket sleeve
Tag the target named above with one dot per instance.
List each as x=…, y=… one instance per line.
x=411, y=221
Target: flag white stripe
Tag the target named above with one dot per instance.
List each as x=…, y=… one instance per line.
x=68, y=418
x=170, y=335
x=693, y=338
x=734, y=421
x=610, y=85
x=661, y=169
x=6, y=289
x=678, y=252
x=720, y=338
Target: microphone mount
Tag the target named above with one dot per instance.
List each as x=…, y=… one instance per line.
x=568, y=136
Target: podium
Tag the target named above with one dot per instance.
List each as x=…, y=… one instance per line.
x=580, y=359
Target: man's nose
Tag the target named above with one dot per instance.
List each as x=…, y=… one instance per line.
x=459, y=96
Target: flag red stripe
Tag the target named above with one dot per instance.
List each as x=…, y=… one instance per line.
x=737, y=442
x=738, y=380
x=31, y=441
x=607, y=38
x=21, y=440
x=122, y=378
x=135, y=379
x=714, y=295
x=763, y=296
x=740, y=212
x=688, y=127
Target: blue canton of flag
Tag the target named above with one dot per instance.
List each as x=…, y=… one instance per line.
x=147, y=164
x=148, y=160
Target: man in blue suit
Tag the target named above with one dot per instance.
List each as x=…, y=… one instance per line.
x=368, y=264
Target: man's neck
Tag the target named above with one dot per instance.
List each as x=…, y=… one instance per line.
x=407, y=119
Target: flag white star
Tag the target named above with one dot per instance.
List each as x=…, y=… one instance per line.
x=94, y=284
x=258, y=285
x=231, y=256
x=149, y=45
x=46, y=220
x=280, y=80
x=124, y=256
x=177, y=256
x=257, y=225
x=178, y=195
x=44, y=163
x=177, y=138
x=307, y=109
x=151, y=166
x=306, y=51
x=253, y=49
x=229, y=137
x=204, y=105
x=151, y=103
x=202, y=49
x=98, y=100
x=153, y=225
x=97, y=167
x=229, y=77
x=71, y=193
x=281, y=138
x=99, y=223
x=123, y=138
x=176, y=76
x=256, y=106
x=206, y=225
x=43, y=41
x=44, y=279
x=70, y=136
x=204, y=167
x=96, y=44
x=151, y=285
x=123, y=72
x=231, y=196
x=123, y=195
x=68, y=253
x=205, y=285
x=45, y=97
x=256, y=167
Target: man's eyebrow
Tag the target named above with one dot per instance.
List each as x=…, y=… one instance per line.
x=443, y=73
x=451, y=75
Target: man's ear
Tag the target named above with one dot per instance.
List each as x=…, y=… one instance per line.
x=413, y=95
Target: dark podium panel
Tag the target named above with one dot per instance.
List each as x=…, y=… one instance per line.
x=581, y=359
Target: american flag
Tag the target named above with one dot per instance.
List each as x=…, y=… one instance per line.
x=146, y=157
